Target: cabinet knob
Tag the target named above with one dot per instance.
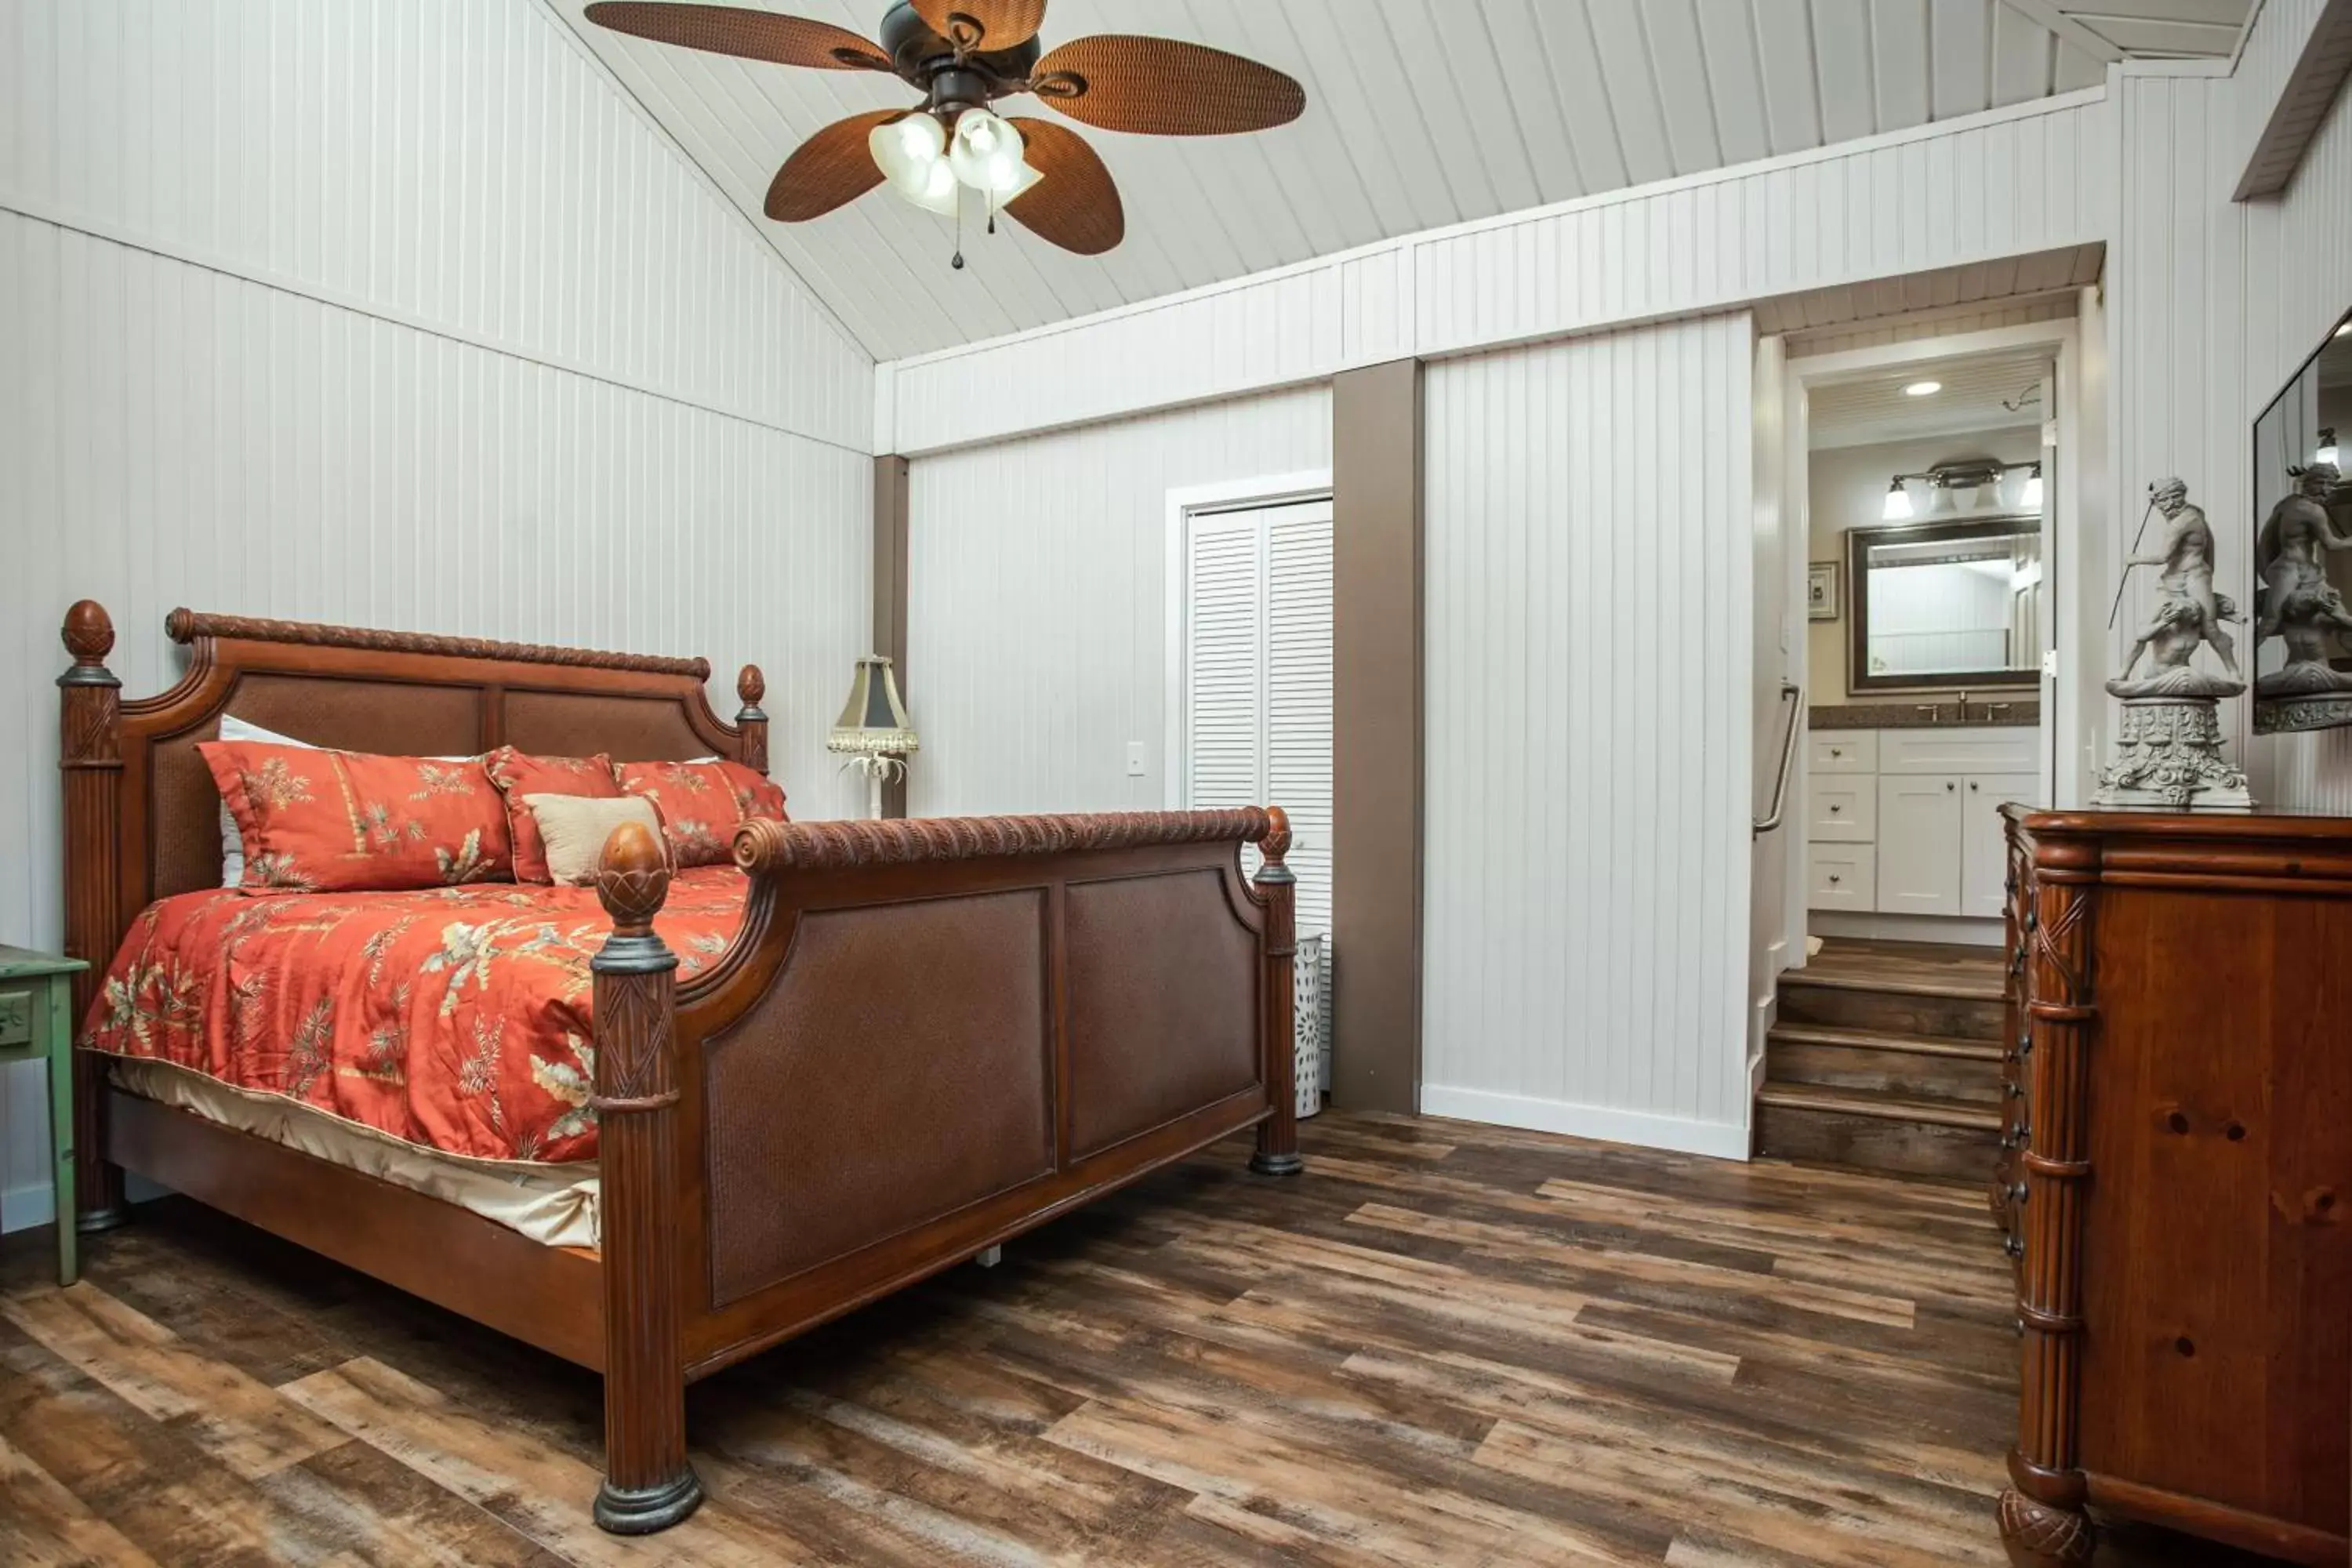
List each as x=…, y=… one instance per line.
x=1949, y=786
x=1835, y=879
x=1834, y=752
x=1835, y=809
x=1972, y=786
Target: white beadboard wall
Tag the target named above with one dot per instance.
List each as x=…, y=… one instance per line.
x=1037, y=600
x=2213, y=306
x=276, y=337
x=1590, y=533
x=462, y=165
x=2033, y=178
x=2298, y=282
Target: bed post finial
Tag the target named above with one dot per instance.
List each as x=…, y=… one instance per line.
x=1278, y=1135
x=750, y=686
x=90, y=700
x=648, y=1483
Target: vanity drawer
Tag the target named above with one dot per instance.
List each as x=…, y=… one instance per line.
x=1844, y=752
x=1841, y=808
x=15, y=1016
x=1960, y=749
x=1842, y=877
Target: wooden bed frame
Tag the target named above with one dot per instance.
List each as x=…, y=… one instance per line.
x=928, y=1036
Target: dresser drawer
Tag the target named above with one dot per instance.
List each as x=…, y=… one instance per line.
x=1842, y=877
x=1844, y=752
x=1841, y=808
x=1970, y=748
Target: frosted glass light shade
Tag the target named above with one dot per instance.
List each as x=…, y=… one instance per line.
x=2328, y=452
x=2031, y=499
x=1898, y=503
x=905, y=149
x=986, y=154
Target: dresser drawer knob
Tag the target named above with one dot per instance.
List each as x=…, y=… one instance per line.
x=2014, y=1247
x=2019, y=1191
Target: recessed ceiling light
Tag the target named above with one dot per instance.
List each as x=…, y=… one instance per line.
x=1923, y=389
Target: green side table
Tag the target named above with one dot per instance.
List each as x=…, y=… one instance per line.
x=36, y=1024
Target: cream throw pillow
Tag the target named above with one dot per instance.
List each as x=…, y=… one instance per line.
x=576, y=826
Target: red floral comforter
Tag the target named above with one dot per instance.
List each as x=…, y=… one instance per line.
x=453, y=1018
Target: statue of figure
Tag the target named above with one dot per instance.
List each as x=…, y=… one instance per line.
x=2188, y=606
x=2167, y=750
x=2292, y=549
x=2300, y=606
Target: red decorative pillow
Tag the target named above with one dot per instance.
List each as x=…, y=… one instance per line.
x=347, y=821
x=701, y=802
x=519, y=773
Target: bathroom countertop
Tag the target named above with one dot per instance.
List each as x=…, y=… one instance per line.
x=1910, y=713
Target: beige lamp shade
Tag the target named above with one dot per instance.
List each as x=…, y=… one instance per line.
x=873, y=722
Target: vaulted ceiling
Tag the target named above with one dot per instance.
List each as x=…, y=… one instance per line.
x=1420, y=113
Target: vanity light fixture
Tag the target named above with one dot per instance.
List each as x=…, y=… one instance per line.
x=1923, y=389
x=2030, y=499
x=1898, y=503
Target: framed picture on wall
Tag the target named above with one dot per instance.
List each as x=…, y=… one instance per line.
x=1821, y=591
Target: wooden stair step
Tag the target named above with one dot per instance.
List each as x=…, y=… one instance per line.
x=1934, y=1012
x=1819, y=1125
x=1957, y=987
x=1886, y=1040
x=1885, y=1063
x=1880, y=1107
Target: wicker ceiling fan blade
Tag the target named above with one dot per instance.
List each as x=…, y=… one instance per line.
x=1164, y=87
x=830, y=169
x=983, y=25
x=1075, y=205
x=748, y=34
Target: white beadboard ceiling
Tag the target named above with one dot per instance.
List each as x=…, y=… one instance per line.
x=1421, y=113
x=1976, y=395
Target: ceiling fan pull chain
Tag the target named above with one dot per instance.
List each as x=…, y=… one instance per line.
x=959, y=254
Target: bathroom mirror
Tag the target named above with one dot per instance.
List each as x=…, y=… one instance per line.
x=2303, y=547
x=1946, y=603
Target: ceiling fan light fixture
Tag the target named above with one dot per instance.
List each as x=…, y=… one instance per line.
x=907, y=150
x=986, y=153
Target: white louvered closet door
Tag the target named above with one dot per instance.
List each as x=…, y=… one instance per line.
x=1257, y=668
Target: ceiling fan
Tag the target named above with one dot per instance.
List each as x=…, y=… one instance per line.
x=964, y=55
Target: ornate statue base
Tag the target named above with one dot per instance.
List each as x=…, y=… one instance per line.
x=2170, y=757
x=2309, y=694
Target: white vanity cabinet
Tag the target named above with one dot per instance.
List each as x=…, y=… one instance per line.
x=1907, y=822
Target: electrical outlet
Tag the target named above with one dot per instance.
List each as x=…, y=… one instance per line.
x=1135, y=769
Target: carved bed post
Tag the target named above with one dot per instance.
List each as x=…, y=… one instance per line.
x=648, y=1483
x=750, y=686
x=90, y=700
x=2043, y=1523
x=1278, y=1135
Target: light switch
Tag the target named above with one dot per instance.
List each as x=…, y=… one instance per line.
x=1135, y=759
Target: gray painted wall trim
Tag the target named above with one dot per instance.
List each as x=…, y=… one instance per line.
x=1377, y=735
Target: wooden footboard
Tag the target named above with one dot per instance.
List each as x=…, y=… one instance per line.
x=931, y=1035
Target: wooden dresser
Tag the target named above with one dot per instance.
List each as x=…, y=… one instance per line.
x=2176, y=1179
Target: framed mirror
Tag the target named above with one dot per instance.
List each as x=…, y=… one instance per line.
x=2303, y=547
x=1939, y=604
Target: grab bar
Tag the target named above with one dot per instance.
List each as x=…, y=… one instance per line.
x=1764, y=824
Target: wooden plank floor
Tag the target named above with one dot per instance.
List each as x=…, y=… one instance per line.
x=1444, y=1344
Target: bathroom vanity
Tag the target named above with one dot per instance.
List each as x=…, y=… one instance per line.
x=1903, y=807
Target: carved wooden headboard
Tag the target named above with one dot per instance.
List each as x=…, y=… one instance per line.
x=142, y=815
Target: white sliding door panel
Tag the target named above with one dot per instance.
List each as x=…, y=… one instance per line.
x=1591, y=538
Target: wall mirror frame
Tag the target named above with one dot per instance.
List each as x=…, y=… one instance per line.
x=1864, y=673
x=2303, y=545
